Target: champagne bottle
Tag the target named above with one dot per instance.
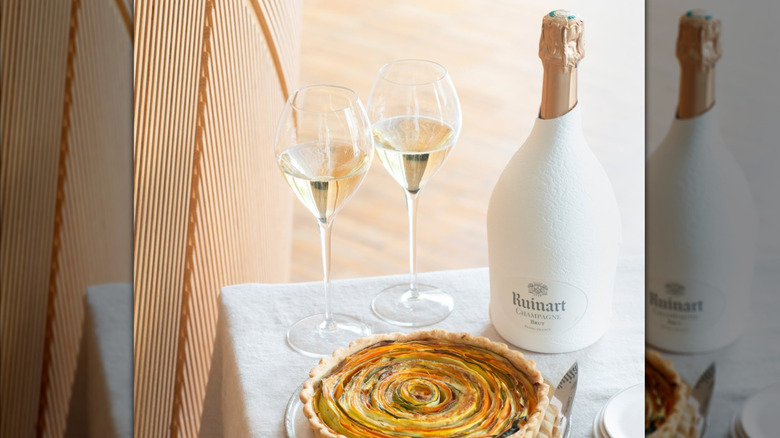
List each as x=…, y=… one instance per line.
x=701, y=221
x=553, y=223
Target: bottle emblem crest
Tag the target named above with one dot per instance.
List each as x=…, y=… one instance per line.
x=537, y=289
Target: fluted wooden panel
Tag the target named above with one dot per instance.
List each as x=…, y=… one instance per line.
x=211, y=207
x=95, y=238
x=66, y=193
x=242, y=231
x=167, y=52
x=34, y=60
x=280, y=22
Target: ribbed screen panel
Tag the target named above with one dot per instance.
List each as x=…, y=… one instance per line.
x=242, y=231
x=66, y=194
x=280, y=22
x=95, y=238
x=211, y=206
x=168, y=41
x=34, y=59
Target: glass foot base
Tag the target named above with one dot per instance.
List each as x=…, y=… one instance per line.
x=397, y=306
x=310, y=337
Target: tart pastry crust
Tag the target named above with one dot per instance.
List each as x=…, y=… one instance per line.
x=677, y=417
x=551, y=425
x=526, y=368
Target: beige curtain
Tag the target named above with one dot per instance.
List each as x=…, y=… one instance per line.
x=211, y=78
x=65, y=205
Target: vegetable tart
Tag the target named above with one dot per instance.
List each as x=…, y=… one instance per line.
x=430, y=383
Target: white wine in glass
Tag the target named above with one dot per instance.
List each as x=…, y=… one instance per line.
x=413, y=148
x=324, y=150
x=415, y=116
x=324, y=183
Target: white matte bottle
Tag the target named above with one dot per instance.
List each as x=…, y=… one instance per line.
x=553, y=238
x=553, y=222
x=701, y=221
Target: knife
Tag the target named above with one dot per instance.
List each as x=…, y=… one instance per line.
x=702, y=393
x=565, y=392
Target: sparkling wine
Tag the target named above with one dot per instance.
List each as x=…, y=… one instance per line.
x=413, y=148
x=553, y=222
x=324, y=178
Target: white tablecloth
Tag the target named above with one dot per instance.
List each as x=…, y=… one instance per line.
x=102, y=401
x=254, y=372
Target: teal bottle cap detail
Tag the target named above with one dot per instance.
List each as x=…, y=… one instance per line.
x=561, y=40
x=699, y=13
x=570, y=15
x=698, y=40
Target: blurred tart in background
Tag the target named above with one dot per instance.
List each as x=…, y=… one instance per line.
x=668, y=412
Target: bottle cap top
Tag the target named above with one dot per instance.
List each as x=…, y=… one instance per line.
x=698, y=40
x=561, y=40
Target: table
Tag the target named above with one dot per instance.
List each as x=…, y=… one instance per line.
x=102, y=401
x=254, y=373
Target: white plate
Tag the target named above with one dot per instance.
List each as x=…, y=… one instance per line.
x=759, y=414
x=297, y=425
x=598, y=425
x=604, y=431
x=624, y=414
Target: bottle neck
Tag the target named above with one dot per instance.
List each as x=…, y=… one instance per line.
x=697, y=91
x=559, y=133
x=559, y=90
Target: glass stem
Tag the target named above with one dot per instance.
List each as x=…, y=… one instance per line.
x=411, y=210
x=325, y=233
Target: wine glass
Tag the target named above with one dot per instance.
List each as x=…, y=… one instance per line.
x=415, y=116
x=324, y=150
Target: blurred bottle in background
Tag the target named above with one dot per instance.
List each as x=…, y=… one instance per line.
x=701, y=221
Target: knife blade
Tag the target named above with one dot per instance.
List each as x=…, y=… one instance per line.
x=702, y=393
x=565, y=392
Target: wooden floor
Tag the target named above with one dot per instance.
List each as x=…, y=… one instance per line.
x=491, y=54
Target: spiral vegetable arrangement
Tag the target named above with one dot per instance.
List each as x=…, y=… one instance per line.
x=425, y=388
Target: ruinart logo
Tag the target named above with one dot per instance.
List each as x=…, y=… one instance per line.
x=682, y=304
x=673, y=300
x=537, y=290
x=544, y=305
